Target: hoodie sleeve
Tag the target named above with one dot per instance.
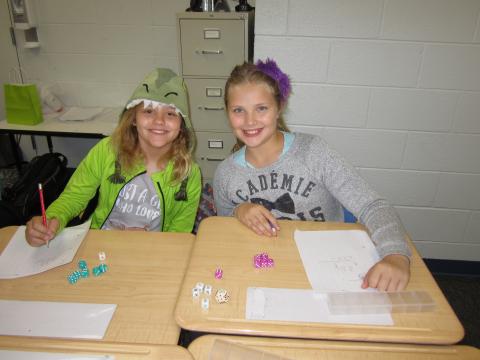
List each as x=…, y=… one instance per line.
x=81, y=187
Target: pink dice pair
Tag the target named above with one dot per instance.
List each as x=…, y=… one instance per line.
x=218, y=273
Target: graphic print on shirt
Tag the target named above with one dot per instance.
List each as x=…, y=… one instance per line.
x=284, y=203
x=131, y=202
x=282, y=194
x=136, y=207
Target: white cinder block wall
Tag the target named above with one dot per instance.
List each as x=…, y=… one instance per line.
x=394, y=85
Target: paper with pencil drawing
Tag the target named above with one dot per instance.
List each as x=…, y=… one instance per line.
x=20, y=259
x=336, y=260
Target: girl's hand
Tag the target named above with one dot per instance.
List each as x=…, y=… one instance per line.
x=257, y=218
x=37, y=234
x=389, y=274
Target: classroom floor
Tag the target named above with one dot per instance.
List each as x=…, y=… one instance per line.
x=463, y=294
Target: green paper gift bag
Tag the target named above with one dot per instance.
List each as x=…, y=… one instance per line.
x=22, y=104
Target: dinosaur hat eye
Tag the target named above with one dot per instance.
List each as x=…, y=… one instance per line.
x=171, y=93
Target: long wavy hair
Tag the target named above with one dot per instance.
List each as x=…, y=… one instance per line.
x=129, y=154
x=249, y=73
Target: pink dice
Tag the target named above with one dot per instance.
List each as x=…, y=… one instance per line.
x=218, y=273
x=263, y=261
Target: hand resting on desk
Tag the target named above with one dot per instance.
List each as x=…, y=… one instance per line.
x=389, y=274
x=257, y=218
x=37, y=234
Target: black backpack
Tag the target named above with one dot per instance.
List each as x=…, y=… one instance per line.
x=21, y=200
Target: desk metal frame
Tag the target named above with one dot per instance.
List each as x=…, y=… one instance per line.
x=98, y=128
x=47, y=134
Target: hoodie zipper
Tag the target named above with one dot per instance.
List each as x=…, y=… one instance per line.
x=163, y=205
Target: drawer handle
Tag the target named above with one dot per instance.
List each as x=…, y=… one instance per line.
x=209, y=52
x=212, y=159
x=212, y=108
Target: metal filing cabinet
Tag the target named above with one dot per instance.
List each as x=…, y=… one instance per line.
x=210, y=44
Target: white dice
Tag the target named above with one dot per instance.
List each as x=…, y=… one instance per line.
x=208, y=290
x=205, y=303
x=200, y=286
x=195, y=292
x=222, y=296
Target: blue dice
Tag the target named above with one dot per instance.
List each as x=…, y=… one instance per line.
x=83, y=272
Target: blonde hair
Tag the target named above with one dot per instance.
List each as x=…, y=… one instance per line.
x=126, y=144
x=249, y=73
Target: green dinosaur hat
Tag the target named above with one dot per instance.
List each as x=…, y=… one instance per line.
x=162, y=87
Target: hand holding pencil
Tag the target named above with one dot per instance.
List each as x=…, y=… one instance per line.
x=39, y=230
x=37, y=234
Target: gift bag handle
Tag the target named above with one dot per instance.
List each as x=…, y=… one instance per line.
x=17, y=75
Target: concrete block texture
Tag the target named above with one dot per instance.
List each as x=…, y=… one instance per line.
x=374, y=63
x=335, y=18
x=427, y=20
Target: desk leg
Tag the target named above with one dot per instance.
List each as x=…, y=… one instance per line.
x=15, y=150
x=49, y=142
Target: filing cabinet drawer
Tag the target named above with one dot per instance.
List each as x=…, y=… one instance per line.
x=212, y=148
x=211, y=46
x=206, y=104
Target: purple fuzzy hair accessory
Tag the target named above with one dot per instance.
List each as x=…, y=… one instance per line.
x=270, y=68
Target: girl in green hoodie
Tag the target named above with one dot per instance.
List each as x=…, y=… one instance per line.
x=145, y=173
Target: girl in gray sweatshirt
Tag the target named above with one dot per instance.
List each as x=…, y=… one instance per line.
x=275, y=174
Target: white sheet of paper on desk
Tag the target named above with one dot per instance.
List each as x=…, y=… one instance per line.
x=301, y=305
x=55, y=319
x=19, y=259
x=80, y=114
x=35, y=355
x=336, y=260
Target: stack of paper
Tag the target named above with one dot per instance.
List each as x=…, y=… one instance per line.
x=80, y=114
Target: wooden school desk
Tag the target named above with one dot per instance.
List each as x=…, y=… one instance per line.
x=224, y=242
x=145, y=271
x=338, y=350
x=92, y=348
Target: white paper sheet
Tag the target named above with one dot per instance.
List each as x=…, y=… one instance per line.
x=80, y=114
x=19, y=259
x=336, y=260
x=299, y=305
x=35, y=355
x=55, y=319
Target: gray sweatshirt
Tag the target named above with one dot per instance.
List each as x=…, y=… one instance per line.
x=310, y=182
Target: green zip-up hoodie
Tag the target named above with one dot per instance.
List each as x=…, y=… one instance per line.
x=94, y=172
